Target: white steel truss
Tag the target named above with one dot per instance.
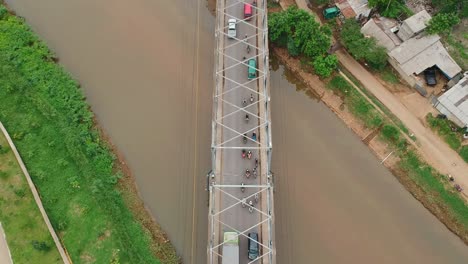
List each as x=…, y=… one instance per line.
x=238, y=202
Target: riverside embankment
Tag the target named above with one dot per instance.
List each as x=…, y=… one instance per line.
x=335, y=203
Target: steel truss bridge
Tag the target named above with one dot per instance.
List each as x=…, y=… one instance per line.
x=229, y=206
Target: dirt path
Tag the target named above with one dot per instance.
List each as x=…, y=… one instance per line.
x=5, y=256
x=436, y=152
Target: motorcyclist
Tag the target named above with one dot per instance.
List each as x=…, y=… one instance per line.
x=251, y=98
x=243, y=153
x=244, y=102
x=242, y=187
x=254, y=136
x=246, y=117
x=249, y=154
x=247, y=173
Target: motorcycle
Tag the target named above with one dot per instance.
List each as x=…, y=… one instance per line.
x=243, y=153
x=244, y=138
x=247, y=173
x=244, y=102
x=251, y=206
x=249, y=154
x=251, y=98
x=242, y=187
x=256, y=163
x=254, y=136
x=246, y=118
x=254, y=171
x=248, y=48
x=243, y=203
x=256, y=198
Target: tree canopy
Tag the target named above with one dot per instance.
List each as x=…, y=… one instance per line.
x=442, y=23
x=362, y=48
x=302, y=35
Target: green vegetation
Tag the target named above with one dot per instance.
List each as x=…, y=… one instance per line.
x=450, y=133
x=298, y=31
x=456, y=48
x=391, y=8
x=70, y=163
x=437, y=191
x=449, y=6
x=444, y=129
x=442, y=23
x=362, y=48
x=357, y=104
x=27, y=234
x=272, y=4
x=389, y=76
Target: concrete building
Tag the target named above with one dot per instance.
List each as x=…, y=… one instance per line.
x=413, y=25
x=454, y=102
x=409, y=50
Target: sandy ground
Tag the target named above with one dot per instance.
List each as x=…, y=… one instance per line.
x=5, y=257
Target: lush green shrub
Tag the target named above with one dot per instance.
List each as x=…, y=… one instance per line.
x=40, y=245
x=361, y=47
x=460, y=7
x=324, y=66
x=339, y=84
x=442, y=23
x=298, y=31
x=391, y=133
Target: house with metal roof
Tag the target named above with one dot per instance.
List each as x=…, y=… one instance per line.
x=454, y=102
x=410, y=51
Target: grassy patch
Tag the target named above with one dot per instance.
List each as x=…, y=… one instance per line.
x=376, y=101
x=71, y=165
x=457, y=50
x=444, y=128
x=438, y=192
x=272, y=4
x=389, y=76
x=27, y=235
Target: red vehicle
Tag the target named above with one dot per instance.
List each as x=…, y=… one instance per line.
x=248, y=11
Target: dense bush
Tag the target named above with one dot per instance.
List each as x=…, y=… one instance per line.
x=324, y=66
x=361, y=47
x=298, y=31
x=460, y=7
x=442, y=23
x=391, y=133
x=72, y=167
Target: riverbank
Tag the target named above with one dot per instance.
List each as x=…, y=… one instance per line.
x=83, y=185
x=424, y=183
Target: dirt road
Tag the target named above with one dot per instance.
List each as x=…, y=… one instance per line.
x=435, y=151
x=5, y=257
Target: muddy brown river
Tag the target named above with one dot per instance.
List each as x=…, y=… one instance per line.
x=146, y=69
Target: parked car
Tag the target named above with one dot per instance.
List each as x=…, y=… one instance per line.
x=430, y=75
x=232, y=32
x=247, y=11
x=253, y=246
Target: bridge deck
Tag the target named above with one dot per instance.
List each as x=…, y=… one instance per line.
x=232, y=85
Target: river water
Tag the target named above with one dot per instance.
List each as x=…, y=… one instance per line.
x=146, y=69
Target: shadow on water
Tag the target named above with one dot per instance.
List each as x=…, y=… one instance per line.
x=292, y=78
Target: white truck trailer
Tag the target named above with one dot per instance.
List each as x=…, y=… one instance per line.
x=231, y=248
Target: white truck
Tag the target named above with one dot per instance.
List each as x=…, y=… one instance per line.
x=231, y=248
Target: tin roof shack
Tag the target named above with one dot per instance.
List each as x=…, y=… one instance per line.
x=454, y=102
x=353, y=8
x=409, y=50
x=413, y=25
